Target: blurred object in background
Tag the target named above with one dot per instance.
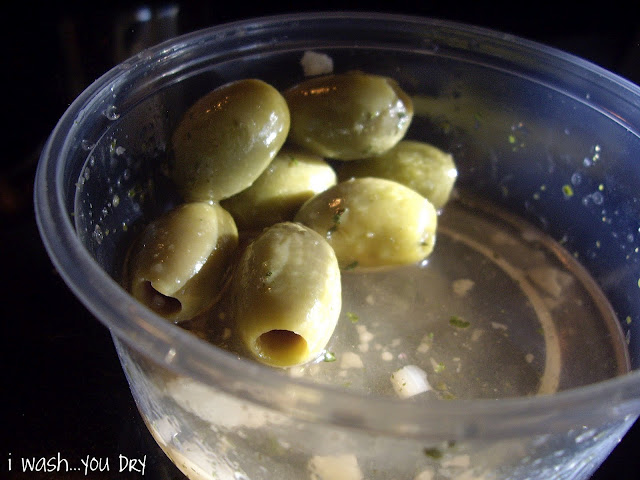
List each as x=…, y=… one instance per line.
x=143, y=27
x=91, y=44
x=48, y=70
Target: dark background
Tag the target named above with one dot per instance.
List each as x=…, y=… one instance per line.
x=62, y=382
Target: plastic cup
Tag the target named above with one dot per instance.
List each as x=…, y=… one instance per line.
x=545, y=136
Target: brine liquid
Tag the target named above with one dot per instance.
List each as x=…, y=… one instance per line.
x=497, y=310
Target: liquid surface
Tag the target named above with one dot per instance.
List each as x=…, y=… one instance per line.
x=498, y=310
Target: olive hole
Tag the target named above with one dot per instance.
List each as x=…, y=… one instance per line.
x=159, y=303
x=282, y=347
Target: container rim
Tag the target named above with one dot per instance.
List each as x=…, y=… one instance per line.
x=170, y=346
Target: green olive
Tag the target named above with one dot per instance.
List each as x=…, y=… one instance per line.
x=372, y=222
x=227, y=138
x=348, y=116
x=180, y=263
x=420, y=166
x=293, y=177
x=286, y=295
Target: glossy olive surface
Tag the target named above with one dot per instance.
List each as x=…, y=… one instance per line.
x=227, y=139
x=373, y=222
x=179, y=264
x=286, y=295
x=423, y=167
x=348, y=116
x=291, y=178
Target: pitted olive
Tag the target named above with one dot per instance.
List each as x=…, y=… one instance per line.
x=227, y=139
x=348, y=116
x=287, y=295
x=291, y=178
x=418, y=165
x=179, y=264
x=372, y=222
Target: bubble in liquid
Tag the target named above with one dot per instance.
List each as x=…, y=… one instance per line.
x=171, y=354
x=111, y=112
x=87, y=145
x=576, y=179
x=98, y=236
x=597, y=198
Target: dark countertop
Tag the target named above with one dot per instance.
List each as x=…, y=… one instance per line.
x=66, y=392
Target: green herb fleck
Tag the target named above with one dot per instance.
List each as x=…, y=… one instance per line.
x=133, y=191
x=628, y=320
x=274, y=448
x=439, y=368
x=512, y=139
x=268, y=274
x=329, y=357
x=293, y=161
x=352, y=317
x=434, y=453
x=337, y=216
x=351, y=266
x=567, y=191
x=458, y=322
x=336, y=220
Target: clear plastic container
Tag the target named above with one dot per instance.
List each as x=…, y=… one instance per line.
x=547, y=148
